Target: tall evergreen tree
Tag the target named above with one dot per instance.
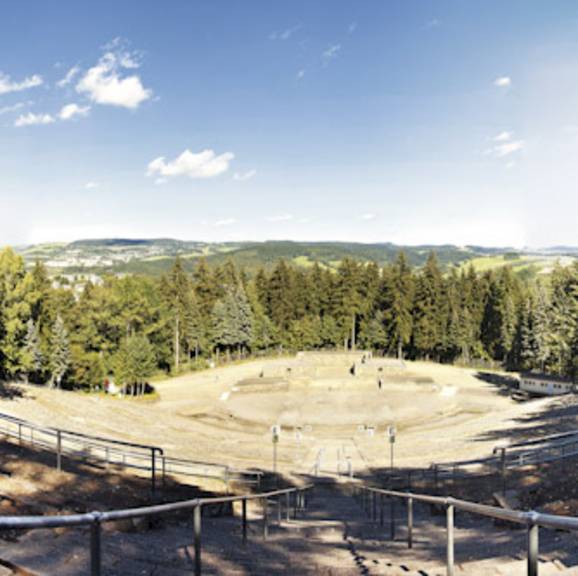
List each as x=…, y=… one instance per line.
x=59, y=353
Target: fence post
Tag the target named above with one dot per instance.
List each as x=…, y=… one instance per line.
x=244, y=514
x=533, y=550
x=295, y=506
x=374, y=506
x=381, y=497
x=19, y=433
x=59, y=450
x=95, y=549
x=197, y=538
x=279, y=510
x=450, y=540
x=288, y=506
x=410, y=522
x=392, y=516
x=503, y=470
x=265, y=504
x=153, y=472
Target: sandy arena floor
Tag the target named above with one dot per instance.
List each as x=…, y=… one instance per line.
x=224, y=415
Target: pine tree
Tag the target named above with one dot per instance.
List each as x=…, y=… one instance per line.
x=59, y=353
x=33, y=354
x=396, y=300
x=134, y=363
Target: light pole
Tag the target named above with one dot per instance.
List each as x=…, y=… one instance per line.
x=391, y=434
x=275, y=431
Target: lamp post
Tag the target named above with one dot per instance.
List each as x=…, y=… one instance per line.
x=275, y=432
x=391, y=434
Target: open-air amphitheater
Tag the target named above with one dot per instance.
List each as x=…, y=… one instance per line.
x=289, y=466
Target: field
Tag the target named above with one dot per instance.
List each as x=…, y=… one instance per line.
x=327, y=414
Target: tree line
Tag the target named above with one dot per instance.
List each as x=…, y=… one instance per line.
x=134, y=326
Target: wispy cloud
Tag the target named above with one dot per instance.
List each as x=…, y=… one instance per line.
x=330, y=53
x=7, y=85
x=505, y=145
x=105, y=83
x=244, y=176
x=284, y=34
x=368, y=216
x=70, y=111
x=300, y=74
x=12, y=108
x=280, y=218
x=91, y=185
x=503, y=136
x=433, y=23
x=68, y=77
x=31, y=119
x=205, y=164
x=352, y=28
x=503, y=82
x=226, y=222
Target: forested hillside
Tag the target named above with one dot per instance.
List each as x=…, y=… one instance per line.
x=155, y=257
x=135, y=325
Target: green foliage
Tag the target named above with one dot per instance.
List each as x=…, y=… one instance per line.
x=138, y=325
x=59, y=353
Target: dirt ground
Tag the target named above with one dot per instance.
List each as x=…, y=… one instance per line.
x=327, y=415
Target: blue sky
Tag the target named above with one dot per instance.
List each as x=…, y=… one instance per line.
x=406, y=121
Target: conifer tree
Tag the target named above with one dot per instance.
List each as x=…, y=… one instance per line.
x=59, y=353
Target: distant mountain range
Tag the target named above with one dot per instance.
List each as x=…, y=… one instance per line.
x=155, y=256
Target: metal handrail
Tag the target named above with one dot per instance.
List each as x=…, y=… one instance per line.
x=96, y=519
x=532, y=520
x=133, y=455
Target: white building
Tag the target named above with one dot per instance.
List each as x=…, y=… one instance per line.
x=545, y=384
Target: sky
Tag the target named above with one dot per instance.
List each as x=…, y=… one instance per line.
x=405, y=121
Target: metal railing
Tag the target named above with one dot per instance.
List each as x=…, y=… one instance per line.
x=108, y=451
x=373, y=500
x=294, y=499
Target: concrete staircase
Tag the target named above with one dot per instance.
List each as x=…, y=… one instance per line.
x=332, y=537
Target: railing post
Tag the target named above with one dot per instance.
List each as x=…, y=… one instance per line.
x=279, y=509
x=244, y=515
x=197, y=538
x=392, y=516
x=410, y=522
x=381, y=498
x=59, y=450
x=19, y=433
x=288, y=506
x=95, y=548
x=265, y=504
x=450, y=540
x=533, y=550
x=374, y=506
x=153, y=472
x=295, y=506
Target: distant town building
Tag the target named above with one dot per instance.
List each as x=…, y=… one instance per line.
x=545, y=384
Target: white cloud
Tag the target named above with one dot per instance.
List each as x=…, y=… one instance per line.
x=505, y=145
x=31, y=119
x=13, y=108
x=91, y=185
x=205, y=164
x=331, y=52
x=71, y=110
x=280, y=218
x=503, y=136
x=7, y=85
x=352, y=28
x=226, y=222
x=503, y=82
x=433, y=23
x=69, y=77
x=284, y=34
x=508, y=148
x=300, y=74
x=368, y=216
x=243, y=176
x=104, y=83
